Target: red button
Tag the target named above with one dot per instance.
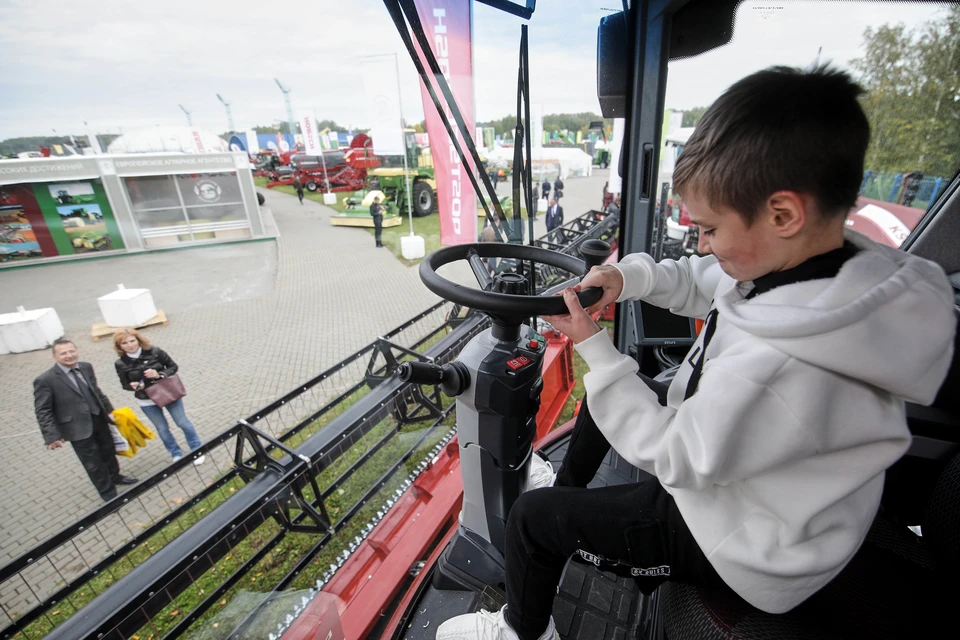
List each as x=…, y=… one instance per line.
x=514, y=364
x=534, y=344
x=523, y=360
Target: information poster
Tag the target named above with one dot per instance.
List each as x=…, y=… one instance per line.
x=23, y=231
x=79, y=217
x=45, y=220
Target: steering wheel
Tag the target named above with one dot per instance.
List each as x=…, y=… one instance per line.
x=500, y=295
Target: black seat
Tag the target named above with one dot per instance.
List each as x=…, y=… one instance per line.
x=898, y=585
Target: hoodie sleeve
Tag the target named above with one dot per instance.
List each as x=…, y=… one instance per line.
x=731, y=428
x=685, y=286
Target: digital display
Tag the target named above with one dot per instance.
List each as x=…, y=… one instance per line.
x=660, y=326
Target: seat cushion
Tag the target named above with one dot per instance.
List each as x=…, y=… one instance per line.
x=888, y=590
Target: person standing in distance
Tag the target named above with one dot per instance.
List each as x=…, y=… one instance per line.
x=299, y=188
x=71, y=407
x=554, y=217
x=546, y=188
x=558, y=188
x=376, y=211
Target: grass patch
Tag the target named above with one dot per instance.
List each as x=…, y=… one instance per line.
x=580, y=369
x=147, y=548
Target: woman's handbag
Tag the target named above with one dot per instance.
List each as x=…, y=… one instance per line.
x=166, y=391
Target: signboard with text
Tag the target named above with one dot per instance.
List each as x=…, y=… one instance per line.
x=448, y=27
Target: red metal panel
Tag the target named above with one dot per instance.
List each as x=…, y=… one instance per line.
x=557, y=381
x=370, y=580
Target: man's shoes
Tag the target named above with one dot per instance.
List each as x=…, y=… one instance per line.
x=485, y=625
x=177, y=458
x=109, y=497
x=199, y=461
x=540, y=473
x=125, y=480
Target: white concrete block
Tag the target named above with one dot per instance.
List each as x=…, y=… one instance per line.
x=329, y=198
x=127, y=307
x=412, y=247
x=29, y=330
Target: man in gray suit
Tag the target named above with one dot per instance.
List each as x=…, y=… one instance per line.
x=70, y=406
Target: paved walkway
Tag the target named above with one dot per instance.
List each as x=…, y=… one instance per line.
x=248, y=323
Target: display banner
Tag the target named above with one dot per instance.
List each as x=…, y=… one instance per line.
x=253, y=144
x=308, y=127
x=47, y=219
x=448, y=26
x=383, y=100
x=92, y=138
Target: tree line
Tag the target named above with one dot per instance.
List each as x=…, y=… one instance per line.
x=912, y=99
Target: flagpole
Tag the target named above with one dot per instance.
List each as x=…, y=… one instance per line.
x=403, y=137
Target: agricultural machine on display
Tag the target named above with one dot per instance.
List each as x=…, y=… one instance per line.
x=392, y=177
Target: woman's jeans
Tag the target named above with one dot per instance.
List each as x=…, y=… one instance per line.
x=179, y=416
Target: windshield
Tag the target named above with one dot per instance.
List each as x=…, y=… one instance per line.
x=255, y=217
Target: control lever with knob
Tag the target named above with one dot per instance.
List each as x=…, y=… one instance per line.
x=453, y=378
x=593, y=252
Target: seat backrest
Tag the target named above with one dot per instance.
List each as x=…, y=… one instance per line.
x=948, y=398
x=941, y=528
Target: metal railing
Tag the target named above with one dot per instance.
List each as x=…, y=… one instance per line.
x=166, y=554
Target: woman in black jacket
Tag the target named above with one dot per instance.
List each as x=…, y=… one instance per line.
x=141, y=365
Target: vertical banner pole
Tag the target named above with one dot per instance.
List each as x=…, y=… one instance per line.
x=406, y=171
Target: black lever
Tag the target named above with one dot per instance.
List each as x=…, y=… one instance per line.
x=453, y=378
x=593, y=252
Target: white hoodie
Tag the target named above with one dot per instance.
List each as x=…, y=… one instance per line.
x=776, y=462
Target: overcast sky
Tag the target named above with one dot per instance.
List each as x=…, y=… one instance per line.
x=122, y=64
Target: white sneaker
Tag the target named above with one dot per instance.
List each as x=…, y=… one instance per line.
x=540, y=473
x=485, y=625
x=177, y=458
x=199, y=461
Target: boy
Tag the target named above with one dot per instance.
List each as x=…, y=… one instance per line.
x=770, y=446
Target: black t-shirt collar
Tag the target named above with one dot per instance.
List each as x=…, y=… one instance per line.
x=825, y=265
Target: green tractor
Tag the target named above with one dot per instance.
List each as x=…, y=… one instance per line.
x=389, y=178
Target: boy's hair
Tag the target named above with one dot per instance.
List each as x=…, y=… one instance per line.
x=779, y=129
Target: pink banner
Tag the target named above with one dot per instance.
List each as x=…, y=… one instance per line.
x=448, y=25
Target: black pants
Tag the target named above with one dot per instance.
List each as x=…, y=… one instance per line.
x=633, y=530
x=99, y=458
x=378, y=228
x=300, y=195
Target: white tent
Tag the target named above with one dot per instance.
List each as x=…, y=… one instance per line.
x=175, y=139
x=547, y=162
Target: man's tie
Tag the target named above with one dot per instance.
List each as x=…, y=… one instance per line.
x=86, y=391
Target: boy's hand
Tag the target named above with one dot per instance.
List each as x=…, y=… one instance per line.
x=608, y=278
x=577, y=324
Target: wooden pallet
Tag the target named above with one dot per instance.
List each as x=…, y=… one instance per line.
x=101, y=331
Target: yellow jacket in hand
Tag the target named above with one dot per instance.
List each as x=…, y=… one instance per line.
x=132, y=430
